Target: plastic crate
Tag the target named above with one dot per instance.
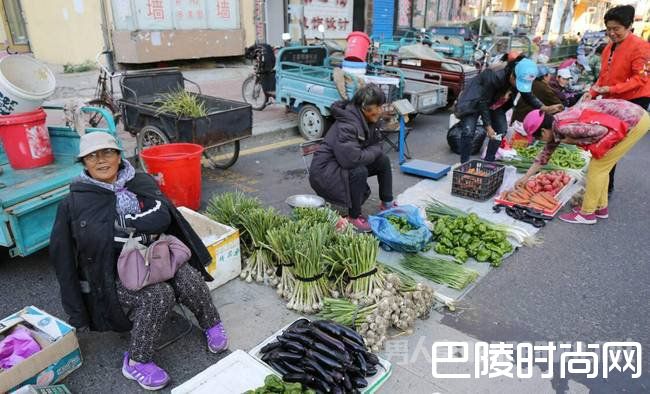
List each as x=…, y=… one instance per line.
x=476, y=187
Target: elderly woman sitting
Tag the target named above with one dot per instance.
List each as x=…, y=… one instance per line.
x=88, y=235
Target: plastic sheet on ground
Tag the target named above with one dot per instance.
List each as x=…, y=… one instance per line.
x=422, y=192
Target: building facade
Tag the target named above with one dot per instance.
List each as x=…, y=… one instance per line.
x=138, y=31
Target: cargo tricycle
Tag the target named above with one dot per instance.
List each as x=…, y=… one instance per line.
x=305, y=84
x=226, y=123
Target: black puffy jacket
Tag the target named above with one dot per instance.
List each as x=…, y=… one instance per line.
x=349, y=143
x=484, y=90
x=85, y=259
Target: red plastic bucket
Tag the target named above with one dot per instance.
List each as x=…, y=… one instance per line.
x=358, y=45
x=26, y=140
x=178, y=169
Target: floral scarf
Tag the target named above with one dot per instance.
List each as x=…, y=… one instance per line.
x=126, y=202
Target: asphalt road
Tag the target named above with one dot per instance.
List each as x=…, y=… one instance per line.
x=586, y=283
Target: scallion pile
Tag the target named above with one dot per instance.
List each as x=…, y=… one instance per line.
x=311, y=216
x=182, y=104
x=311, y=284
x=259, y=266
x=440, y=271
x=229, y=208
x=357, y=254
x=283, y=242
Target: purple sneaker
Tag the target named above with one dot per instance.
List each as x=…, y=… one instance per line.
x=217, y=338
x=148, y=375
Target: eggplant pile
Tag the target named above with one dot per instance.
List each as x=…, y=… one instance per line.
x=322, y=355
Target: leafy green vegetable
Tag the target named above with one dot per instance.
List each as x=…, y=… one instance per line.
x=400, y=223
x=275, y=384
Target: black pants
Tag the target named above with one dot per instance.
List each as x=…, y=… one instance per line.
x=468, y=124
x=359, y=189
x=643, y=102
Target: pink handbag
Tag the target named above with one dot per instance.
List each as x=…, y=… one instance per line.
x=139, y=266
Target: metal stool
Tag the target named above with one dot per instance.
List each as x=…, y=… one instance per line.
x=394, y=144
x=309, y=148
x=184, y=333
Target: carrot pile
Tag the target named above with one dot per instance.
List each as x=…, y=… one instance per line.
x=476, y=171
x=539, y=192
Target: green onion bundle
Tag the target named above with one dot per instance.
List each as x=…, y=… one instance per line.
x=229, y=208
x=440, y=271
x=182, y=104
x=311, y=216
x=357, y=254
x=346, y=313
x=282, y=241
x=311, y=284
x=259, y=266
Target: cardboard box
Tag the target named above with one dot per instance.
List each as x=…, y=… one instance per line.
x=59, y=355
x=223, y=244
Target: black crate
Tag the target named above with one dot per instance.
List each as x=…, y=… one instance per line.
x=476, y=187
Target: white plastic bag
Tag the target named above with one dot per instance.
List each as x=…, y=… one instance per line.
x=510, y=177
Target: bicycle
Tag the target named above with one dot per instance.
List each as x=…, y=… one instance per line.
x=104, y=96
x=259, y=87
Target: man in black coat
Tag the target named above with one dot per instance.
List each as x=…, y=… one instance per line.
x=351, y=153
x=489, y=96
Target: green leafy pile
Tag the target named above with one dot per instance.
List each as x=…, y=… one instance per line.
x=400, y=223
x=275, y=384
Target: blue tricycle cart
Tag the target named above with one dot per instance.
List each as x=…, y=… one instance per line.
x=305, y=84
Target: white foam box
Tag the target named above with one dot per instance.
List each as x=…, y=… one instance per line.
x=385, y=369
x=236, y=373
x=58, y=357
x=223, y=244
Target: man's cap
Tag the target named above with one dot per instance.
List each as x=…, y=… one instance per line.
x=525, y=74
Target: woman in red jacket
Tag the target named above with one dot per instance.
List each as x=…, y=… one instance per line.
x=625, y=64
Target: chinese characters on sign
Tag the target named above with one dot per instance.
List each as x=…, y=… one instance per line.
x=517, y=360
x=334, y=15
x=176, y=14
x=156, y=9
x=188, y=10
x=223, y=9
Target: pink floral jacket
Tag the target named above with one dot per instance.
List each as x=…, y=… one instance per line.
x=584, y=133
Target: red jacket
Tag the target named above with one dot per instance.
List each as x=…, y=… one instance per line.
x=628, y=75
